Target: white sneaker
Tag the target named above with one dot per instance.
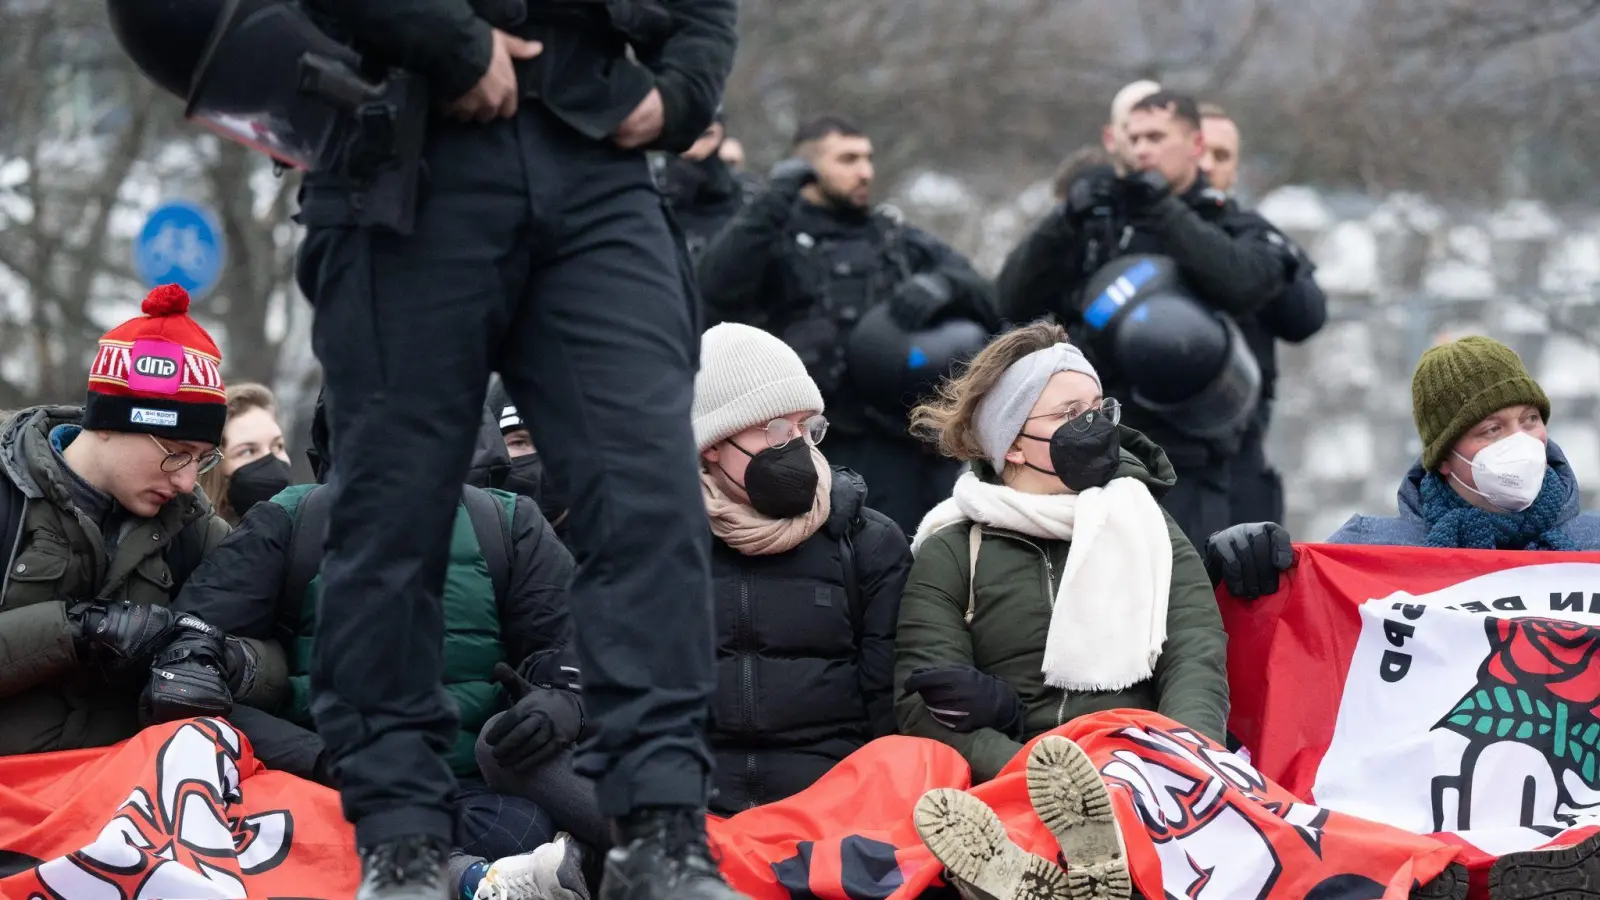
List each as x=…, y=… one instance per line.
x=553, y=871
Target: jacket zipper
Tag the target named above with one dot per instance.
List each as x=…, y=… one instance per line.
x=747, y=677
x=1050, y=596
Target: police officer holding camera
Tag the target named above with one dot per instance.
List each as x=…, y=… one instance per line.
x=812, y=261
x=1231, y=262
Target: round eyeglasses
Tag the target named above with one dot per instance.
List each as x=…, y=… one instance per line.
x=177, y=460
x=781, y=431
x=1080, y=417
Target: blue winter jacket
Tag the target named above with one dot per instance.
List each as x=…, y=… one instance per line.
x=1407, y=529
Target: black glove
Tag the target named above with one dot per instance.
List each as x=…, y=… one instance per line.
x=790, y=175
x=1143, y=190
x=919, y=299
x=1248, y=558
x=119, y=635
x=963, y=699
x=189, y=677
x=541, y=722
x=1096, y=192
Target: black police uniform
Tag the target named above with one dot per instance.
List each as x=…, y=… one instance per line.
x=703, y=195
x=807, y=274
x=541, y=250
x=1224, y=255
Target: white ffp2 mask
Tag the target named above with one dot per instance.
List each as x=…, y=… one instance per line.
x=1509, y=472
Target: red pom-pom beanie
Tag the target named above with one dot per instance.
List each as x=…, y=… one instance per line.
x=158, y=374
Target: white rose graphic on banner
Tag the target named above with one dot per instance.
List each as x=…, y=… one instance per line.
x=1475, y=705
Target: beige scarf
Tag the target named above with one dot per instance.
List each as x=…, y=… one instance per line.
x=749, y=532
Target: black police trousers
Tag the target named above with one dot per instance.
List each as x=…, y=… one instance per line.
x=904, y=480
x=1255, y=489
x=1199, y=501
x=548, y=257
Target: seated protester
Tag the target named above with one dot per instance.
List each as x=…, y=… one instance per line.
x=504, y=601
x=1489, y=477
x=1050, y=585
x=526, y=474
x=806, y=584
x=255, y=463
x=100, y=525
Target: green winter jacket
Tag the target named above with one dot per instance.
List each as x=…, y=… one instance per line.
x=1015, y=593
x=472, y=637
x=48, y=700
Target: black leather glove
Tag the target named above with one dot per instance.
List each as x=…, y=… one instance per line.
x=541, y=722
x=1247, y=558
x=119, y=635
x=790, y=175
x=1095, y=192
x=189, y=677
x=1142, y=190
x=919, y=299
x=963, y=699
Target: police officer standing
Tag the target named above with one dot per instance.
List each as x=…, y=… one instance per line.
x=808, y=259
x=702, y=189
x=1225, y=258
x=1255, y=488
x=478, y=199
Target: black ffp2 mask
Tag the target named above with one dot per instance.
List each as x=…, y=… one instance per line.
x=257, y=482
x=781, y=482
x=525, y=477
x=1083, y=459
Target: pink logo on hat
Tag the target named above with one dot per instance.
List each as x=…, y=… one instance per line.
x=156, y=367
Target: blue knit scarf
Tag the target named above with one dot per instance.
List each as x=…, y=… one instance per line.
x=1454, y=523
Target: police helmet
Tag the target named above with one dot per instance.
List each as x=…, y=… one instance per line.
x=891, y=368
x=1184, y=361
x=258, y=72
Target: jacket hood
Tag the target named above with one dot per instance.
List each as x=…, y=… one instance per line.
x=1142, y=459
x=491, y=461
x=26, y=459
x=1410, y=494
x=847, y=502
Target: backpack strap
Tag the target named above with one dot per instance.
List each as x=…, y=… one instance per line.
x=305, y=554
x=974, y=542
x=489, y=523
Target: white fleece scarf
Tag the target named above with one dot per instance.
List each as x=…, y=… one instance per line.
x=1109, y=619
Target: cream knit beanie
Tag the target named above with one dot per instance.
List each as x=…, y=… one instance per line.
x=747, y=377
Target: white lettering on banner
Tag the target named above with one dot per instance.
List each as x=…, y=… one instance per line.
x=1476, y=706
x=1207, y=846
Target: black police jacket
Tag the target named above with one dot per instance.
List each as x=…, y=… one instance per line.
x=807, y=274
x=1235, y=261
x=704, y=196
x=583, y=75
x=805, y=674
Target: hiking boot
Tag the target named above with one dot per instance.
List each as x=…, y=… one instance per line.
x=1559, y=873
x=1067, y=792
x=1451, y=884
x=552, y=871
x=406, y=868
x=981, y=861
x=661, y=854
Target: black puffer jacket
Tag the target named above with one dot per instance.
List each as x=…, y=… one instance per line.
x=803, y=678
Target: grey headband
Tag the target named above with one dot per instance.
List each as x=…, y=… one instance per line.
x=1002, y=411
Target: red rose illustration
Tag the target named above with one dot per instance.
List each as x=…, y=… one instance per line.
x=1555, y=654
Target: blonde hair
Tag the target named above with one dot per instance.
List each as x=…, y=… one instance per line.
x=948, y=417
x=241, y=399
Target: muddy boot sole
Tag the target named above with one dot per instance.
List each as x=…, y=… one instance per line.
x=1561, y=873
x=1071, y=799
x=970, y=841
x=1451, y=884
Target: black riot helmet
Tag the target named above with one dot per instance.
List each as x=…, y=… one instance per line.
x=258, y=72
x=891, y=368
x=1184, y=361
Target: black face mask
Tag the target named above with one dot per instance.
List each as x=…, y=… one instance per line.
x=1083, y=459
x=525, y=477
x=257, y=482
x=781, y=483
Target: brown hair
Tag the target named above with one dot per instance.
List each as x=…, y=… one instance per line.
x=241, y=399
x=948, y=417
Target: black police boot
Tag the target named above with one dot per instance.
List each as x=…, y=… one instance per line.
x=1569, y=873
x=406, y=868
x=662, y=854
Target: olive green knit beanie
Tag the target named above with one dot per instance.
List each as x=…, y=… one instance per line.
x=1458, y=384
